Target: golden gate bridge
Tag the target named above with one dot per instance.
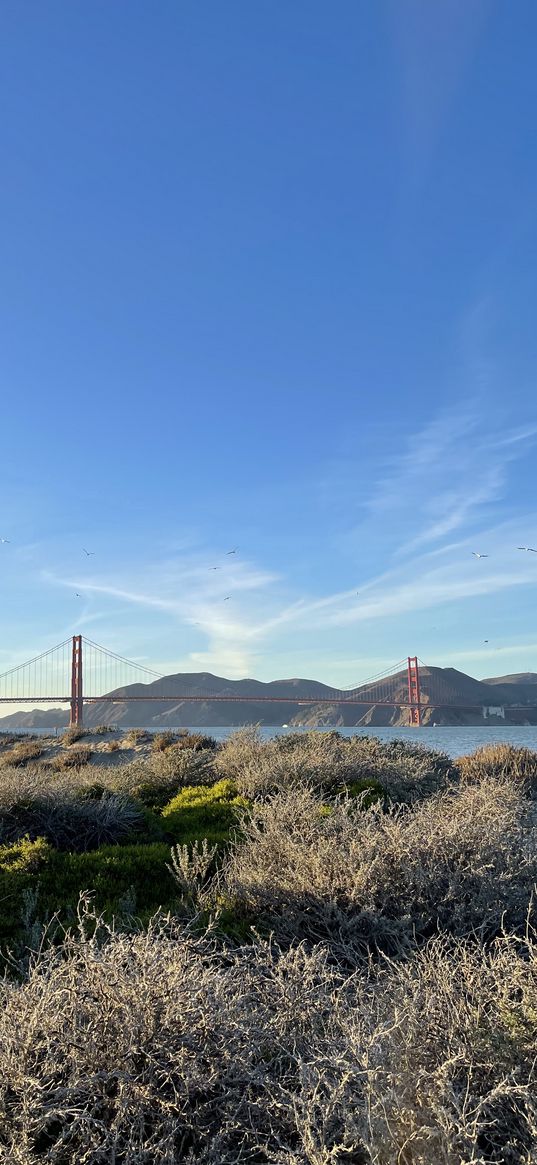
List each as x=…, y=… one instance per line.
x=79, y=672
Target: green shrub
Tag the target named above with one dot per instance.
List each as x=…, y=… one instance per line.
x=203, y=812
x=369, y=790
x=113, y=874
x=132, y=879
x=24, y=855
x=20, y=865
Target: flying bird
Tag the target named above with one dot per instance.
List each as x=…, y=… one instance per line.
x=77, y=596
x=476, y=555
x=530, y=549
x=234, y=551
x=227, y=598
x=88, y=552
x=4, y=541
x=214, y=568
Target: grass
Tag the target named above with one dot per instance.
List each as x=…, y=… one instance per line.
x=310, y=951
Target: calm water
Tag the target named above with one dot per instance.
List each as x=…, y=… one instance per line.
x=454, y=741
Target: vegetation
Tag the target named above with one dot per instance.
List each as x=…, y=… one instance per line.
x=203, y=811
x=25, y=752
x=150, y=1048
x=73, y=733
x=74, y=759
x=503, y=761
x=307, y=951
x=328, y=761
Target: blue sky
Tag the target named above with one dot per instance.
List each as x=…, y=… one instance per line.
x=268, y=281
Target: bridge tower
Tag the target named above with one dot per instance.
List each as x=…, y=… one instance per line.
x=414, y=693
x=77, y=702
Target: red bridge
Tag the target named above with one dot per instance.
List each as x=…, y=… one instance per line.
x=79, y=672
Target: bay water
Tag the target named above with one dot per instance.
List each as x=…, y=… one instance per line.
x=454, y=741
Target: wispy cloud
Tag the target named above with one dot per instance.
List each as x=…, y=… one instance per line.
x=435, y=42
x=190, y=593
x=439, y=501
x=454, y=467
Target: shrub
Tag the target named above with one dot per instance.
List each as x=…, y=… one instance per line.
x=136, y=736
x=203, y=812
x=148, y=781
x=113, y=874
x=162, y=741
x=24, y=753
x=329, y=761
x=184, y=766
x=122, y=880
x=74, y=759
x=503, y=762
x=102, y=729
x=19, y=865
x=112, y=746
x=369, y=791
x=8, y=739
x=192, y=867
x=196, y=741
x=264, y=1056
x=24, y=855
x=73, y=733
x=462, y=861
x=58, y=812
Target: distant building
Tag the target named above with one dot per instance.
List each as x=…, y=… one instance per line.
x=492, y=711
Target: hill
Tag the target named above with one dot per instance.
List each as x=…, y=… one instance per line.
x=448, y=697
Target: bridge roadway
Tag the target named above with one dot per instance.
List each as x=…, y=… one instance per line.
x=336, y=699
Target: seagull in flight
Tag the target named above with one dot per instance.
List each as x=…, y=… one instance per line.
x=234, y=551
x=77, y=596
x=89, y=553
x=214, y=568
x=530, y=549
x=476, y=555
x=227, y=598
x=4, y=541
